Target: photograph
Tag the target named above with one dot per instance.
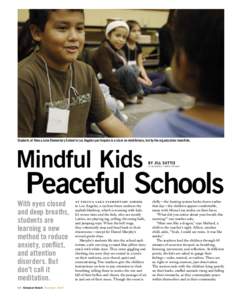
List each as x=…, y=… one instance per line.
x=120, y=73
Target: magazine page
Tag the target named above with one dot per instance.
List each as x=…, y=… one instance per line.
x=117, y=166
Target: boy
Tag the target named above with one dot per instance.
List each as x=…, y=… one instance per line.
x=57, y=95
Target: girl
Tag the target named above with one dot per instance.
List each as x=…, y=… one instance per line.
x=58, y=95
x=151, y=83
x=198, y=70
x=111, y=66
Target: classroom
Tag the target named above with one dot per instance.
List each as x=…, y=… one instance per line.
x=149, y=75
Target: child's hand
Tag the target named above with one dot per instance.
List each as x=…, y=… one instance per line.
x=145, y=81
x=141, y=80
x=148, y=82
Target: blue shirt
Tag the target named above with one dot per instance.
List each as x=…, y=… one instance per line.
x=175, y=124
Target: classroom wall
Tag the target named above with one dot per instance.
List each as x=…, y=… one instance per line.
x=146, y=17
x=22, y=15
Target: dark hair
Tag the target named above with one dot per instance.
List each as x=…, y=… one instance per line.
x=37, y=17
x=132, y=23
x=170, y=17
x=200, y=33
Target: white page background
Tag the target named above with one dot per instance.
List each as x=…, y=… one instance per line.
x=194, y=158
